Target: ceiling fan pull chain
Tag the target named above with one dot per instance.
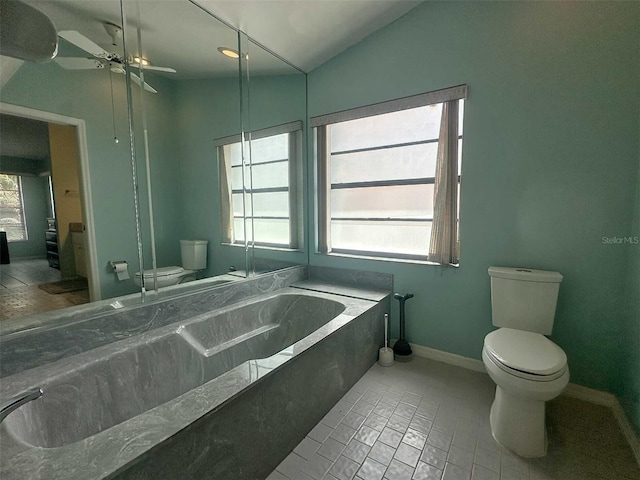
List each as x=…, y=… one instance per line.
x=113, y=108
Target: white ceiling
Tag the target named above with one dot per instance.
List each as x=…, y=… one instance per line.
x=179, y=34
x=308, y=32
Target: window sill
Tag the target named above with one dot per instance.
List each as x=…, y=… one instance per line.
x=264, y=247
x=385, y=259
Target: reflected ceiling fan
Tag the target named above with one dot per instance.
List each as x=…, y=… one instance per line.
x=102, y=58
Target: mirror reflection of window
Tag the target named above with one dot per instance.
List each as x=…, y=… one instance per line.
x=271, y=185
x=12, y=218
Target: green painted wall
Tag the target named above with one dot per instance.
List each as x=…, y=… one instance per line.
x=164, y=166
x=86, y=95
x=205, y=110
x=34, y=194
x=210, y=109
x=550, y=155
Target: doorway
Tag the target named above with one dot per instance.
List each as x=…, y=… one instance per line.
x=52, y=259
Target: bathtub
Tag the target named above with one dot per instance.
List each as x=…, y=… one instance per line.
x=225, y=394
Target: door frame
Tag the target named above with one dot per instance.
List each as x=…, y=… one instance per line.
x=86, y=199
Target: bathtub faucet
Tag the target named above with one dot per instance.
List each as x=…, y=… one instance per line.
x=10, y=405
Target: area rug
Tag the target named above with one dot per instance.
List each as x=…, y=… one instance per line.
x=78, y=298
x=65, y=286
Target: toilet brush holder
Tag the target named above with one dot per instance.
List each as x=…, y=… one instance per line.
x=402, y=347
x=385, y=355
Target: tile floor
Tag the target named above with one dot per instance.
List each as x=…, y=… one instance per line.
x=22, y=273
x=427, y=420
x=19, y=292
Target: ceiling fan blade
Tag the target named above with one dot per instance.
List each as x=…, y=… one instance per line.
x=78, y=63
x=156, y=69
x=147, y=87
x=84, y=43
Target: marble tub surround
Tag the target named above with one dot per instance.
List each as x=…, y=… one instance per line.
x=375, y=281
x=363, y=293
x=250, y=435
x=118, y=411
x=100, y=307
x=31, y=343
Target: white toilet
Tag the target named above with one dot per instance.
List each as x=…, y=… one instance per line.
x=527, y=367
x=194, y=258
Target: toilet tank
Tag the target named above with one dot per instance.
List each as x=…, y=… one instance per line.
x=524, y=299
x=194, y=254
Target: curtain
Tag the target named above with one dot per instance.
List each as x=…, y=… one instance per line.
x=226, y=204
x=324, y=188
x=444, y=247
x=296, y=202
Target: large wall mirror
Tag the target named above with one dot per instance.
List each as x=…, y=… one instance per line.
x=219, y=131
x=66, y=158
x=198, y=152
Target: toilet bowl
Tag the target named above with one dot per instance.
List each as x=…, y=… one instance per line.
x=527, y=368
x=193, y=254
x=166, y=276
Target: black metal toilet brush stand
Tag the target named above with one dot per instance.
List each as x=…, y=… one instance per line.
x=402, y=347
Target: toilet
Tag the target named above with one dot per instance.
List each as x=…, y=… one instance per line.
x=527, y=368
x=194, y=258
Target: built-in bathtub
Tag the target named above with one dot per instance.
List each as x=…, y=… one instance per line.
x=226, y=394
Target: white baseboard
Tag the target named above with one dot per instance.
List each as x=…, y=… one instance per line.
x=446, y=357
x=573, y=390
x=627, y=429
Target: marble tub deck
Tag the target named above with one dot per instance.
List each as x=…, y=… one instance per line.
x=105, y=454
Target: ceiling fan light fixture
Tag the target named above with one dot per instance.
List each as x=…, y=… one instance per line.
x=229, y=52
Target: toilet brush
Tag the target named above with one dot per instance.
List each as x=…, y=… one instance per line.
x=385, y=357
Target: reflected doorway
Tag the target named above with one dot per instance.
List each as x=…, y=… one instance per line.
x=45, y=266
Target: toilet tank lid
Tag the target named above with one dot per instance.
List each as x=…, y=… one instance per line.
x=525, y=274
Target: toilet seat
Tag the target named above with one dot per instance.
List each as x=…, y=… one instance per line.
x=527, y=355
x=162, y=272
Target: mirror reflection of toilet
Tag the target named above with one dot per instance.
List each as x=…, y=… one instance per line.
x=194, y=258
x=527, y=368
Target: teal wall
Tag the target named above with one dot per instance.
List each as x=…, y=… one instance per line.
x=34, y=195
x=205, y=110
x=86, y=95
x=550, y=155
x=210, y=109
x=164, y=167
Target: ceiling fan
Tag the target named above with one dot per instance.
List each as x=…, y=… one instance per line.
x=102, y=58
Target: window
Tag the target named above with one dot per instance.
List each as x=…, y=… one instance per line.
x=261, y=201
x=12, y=208
x=381, y=170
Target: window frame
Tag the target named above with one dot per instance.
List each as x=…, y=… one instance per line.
x=322, y=149
x=23, y=215
x=293, y=188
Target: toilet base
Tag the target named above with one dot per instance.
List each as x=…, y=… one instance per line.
x=519, y=424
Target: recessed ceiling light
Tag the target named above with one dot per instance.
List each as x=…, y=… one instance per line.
x=229, y=52
x=142, y=61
